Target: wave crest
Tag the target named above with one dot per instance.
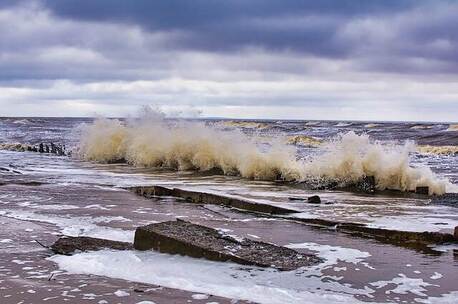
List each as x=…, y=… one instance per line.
x=303, y=140
x=193, y=146
x=14, y=147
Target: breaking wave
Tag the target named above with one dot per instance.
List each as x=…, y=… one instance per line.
x=303, y=140
x=245, y=124
x=184, y=145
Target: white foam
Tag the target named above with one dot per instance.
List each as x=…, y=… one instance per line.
x=404, y=285
x=199, y=296
x=333, y=254
x=436, y=276
x=207, y=277
x=121, y=293
x=449, y=298
x=77, y=226
x=414, y=222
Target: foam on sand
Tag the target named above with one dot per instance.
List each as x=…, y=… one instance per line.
x=221, y=279
x=184, y=145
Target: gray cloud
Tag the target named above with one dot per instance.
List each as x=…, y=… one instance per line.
x=104, y=54
x=303, y=26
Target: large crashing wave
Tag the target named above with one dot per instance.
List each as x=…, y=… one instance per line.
x=184, y=145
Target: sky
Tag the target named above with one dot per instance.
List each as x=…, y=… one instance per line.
x=289, y=59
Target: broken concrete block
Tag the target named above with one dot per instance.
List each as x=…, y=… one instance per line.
x=180, y=237
x=422, y=190
x=293, y=198
x=314, y=199
x=211, y=198
x=69, y=245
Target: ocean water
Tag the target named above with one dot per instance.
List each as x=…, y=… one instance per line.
x=262, y=150
x=261, y=161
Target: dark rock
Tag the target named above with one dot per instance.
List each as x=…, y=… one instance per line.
x=210, y=198
x=41, y=148
x=180, y=237
x=422, y=190
x=456, y=233
x=117, y=161
x=53, y=148
x=314, y=199
x=69, y=245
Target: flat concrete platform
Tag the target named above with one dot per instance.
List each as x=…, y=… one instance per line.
x=180, y=237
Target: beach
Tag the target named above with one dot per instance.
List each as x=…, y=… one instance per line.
x=89, y=192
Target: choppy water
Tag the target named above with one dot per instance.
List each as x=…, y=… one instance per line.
x=437, y=143
x=81, y=197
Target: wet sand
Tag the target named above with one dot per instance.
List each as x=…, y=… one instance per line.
x=26, y=274
x=56, y=196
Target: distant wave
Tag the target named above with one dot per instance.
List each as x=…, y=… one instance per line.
x=343, y=124
x=312, y=123
x=245, y=124
x=453, y=127
x=14, y=147
x=21, y=121
x=371, y=125
x=193, y=146
x=421, y=127
x=441, y=150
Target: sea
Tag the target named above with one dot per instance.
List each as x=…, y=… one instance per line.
x=83, y=191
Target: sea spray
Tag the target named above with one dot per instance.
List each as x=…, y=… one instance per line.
x=185, y=145
x=349, y=157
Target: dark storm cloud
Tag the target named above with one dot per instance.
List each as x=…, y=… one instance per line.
x=178, y=14
x=304, y=26
x=407, y=37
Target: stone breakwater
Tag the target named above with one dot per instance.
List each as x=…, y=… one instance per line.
x=48, y=148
